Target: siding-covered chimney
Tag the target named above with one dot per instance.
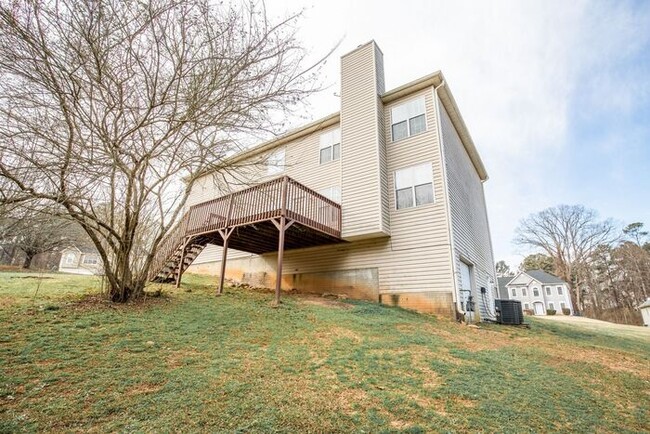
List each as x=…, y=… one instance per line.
x=364, y=183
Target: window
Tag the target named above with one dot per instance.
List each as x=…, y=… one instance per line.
x=536, y=291
x=514, y=292
x=408, y=119
x=526, y=306
x=91, y=260
x=551, y=306
x=69, y=258
x=414, y=186
x=275, y=162
x=559, y=290
x=562, y=305
x=548, y=290
x=332, y=193
x=523, y=292
x=330, y=146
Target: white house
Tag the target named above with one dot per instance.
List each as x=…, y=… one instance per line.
x=382, y=200
x=645, y=312
x=80, y=260
x=538, y=291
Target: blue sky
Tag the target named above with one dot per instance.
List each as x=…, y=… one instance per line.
x=555, y=94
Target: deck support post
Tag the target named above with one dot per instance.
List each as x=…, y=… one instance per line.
x=225, y=235
x=179, y=271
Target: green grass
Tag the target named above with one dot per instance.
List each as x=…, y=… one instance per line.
x=190, y=361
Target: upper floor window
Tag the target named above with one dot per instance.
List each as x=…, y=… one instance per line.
x=536, y=291
x=548, y=290
x=514, y=292
x=414, y=186
x=523, y=292
x=332, y=193
x=275, y=162
x=408, y=119
x=69, y=258
x=559, y=290
x=330, y=146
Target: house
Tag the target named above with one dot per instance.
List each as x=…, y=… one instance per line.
x=80, y=260
x=645, y=312
x=538, y=291
x=382, y=200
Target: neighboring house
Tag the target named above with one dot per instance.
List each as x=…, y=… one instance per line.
x=383, y=201
x=645, y=312
x=80, y=260
x=538, y=291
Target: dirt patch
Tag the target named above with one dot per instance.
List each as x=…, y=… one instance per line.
x=143, y=389
x=99, y=302
x=472, y=339
x=326, y=302
x=175, y=358
x=332, y=333
x=559, y=355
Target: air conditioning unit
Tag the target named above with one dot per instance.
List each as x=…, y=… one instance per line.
x=509, y=312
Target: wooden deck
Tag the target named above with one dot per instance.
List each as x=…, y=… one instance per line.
x=273, y=216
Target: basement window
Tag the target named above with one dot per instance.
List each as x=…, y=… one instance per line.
x=414, y=186
x=408, y=119
x=330, y=146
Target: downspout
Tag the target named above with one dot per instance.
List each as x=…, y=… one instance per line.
x=443, y=164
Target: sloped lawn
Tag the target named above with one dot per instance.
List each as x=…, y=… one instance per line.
x=189, y=361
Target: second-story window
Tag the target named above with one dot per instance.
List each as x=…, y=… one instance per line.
x=330, y=146
x=408, y=119
x=536, y=292
x=548, y=290
x=275, y=162
x=414, y=186
x=523, y=292
x=514, y=292
x=559, y=290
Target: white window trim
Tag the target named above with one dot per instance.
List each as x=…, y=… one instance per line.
x=538, y=293
x=408, y=125
x=433, y=187
x=69, y=258
x=329, y=140
x=549, y=304
x=560, y=290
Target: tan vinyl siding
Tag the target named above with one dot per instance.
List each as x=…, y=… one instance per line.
x=361, y=145
x=471, y=237
x=302, y=163
x=415, y=259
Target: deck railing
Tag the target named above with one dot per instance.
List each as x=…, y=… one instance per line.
x=271, y=199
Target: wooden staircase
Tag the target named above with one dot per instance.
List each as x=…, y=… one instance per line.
x=169, y=273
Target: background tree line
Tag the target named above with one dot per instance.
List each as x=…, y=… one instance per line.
x=607, y=268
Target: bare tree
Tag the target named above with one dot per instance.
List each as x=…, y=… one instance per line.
x=35, y=231
x=569, y=235
x=113, y=109
x=503, y=269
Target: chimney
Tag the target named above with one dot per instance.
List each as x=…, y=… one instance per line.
x=364, y=181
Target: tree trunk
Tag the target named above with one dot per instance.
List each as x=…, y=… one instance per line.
x=28, y=260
